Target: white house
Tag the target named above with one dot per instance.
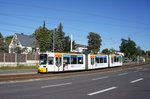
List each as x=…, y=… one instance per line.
x=118, y=52
x=80, y=48
x=24, y=42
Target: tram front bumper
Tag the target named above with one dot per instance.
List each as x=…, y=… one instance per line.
x=42, y=70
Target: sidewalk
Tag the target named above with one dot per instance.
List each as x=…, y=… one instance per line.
x=18, y=71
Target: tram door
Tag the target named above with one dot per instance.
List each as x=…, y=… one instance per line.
x=92, y=61
x=58, y=59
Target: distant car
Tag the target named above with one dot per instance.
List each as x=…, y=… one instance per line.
x=126, y=60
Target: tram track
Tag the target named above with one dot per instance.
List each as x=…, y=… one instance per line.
x=15, y=77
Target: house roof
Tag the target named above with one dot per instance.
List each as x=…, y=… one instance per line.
x=25, y=40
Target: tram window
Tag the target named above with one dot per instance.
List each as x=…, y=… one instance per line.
x=43, y=59
x=43, y=62
x=80, y=60
x=58, y=61
x=92, y=61
x=66, y=60
x=73, y=59
x=50, y=60
x=116, y=59
x=105, y=60
x=101, y=60
x=120, y=59
x=97, y=60
x=112, y=60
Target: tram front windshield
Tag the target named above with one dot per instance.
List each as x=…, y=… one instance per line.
x=43, y=59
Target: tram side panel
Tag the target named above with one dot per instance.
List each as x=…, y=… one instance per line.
x=115, y=60
x=97, y=61
x=74, y=62
x=54, y=63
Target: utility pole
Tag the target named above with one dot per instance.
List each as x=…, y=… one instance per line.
x=71, y=44
x=4, y=49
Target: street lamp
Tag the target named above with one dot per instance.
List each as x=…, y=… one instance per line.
x=71, y=44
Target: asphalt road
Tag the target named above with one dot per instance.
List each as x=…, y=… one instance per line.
x=119, y=84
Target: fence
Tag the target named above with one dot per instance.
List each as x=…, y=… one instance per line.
x=14, y=59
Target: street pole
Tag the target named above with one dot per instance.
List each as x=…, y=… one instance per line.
x=4, y=50
x=71, y=44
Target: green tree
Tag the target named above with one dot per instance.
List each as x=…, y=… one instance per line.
x=94, y=42
x=148, y=54
x=1, y=43
x=59, y=39
x=7, y=42
x=53, y=39
x=1, y=38
x=128, y=47
x=18, y=50
x=43, y=36
x=140, y=52
x=108, y=51
x=67, y=44
x=8, y=39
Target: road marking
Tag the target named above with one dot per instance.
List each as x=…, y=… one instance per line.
x=139, y=68
x=122, y=74
x=101, y=91
x=100, y=78
x=137, y=80
x=56, y=85
x=145, y=69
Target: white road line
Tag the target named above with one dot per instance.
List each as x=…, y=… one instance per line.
x=137, y=80
x=122, y=74
x=101, y=91
x=139, y=68
x=100, y=78
x=56, y=85
x=145, y=69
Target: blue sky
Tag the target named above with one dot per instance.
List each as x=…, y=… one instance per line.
x=111, y=19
